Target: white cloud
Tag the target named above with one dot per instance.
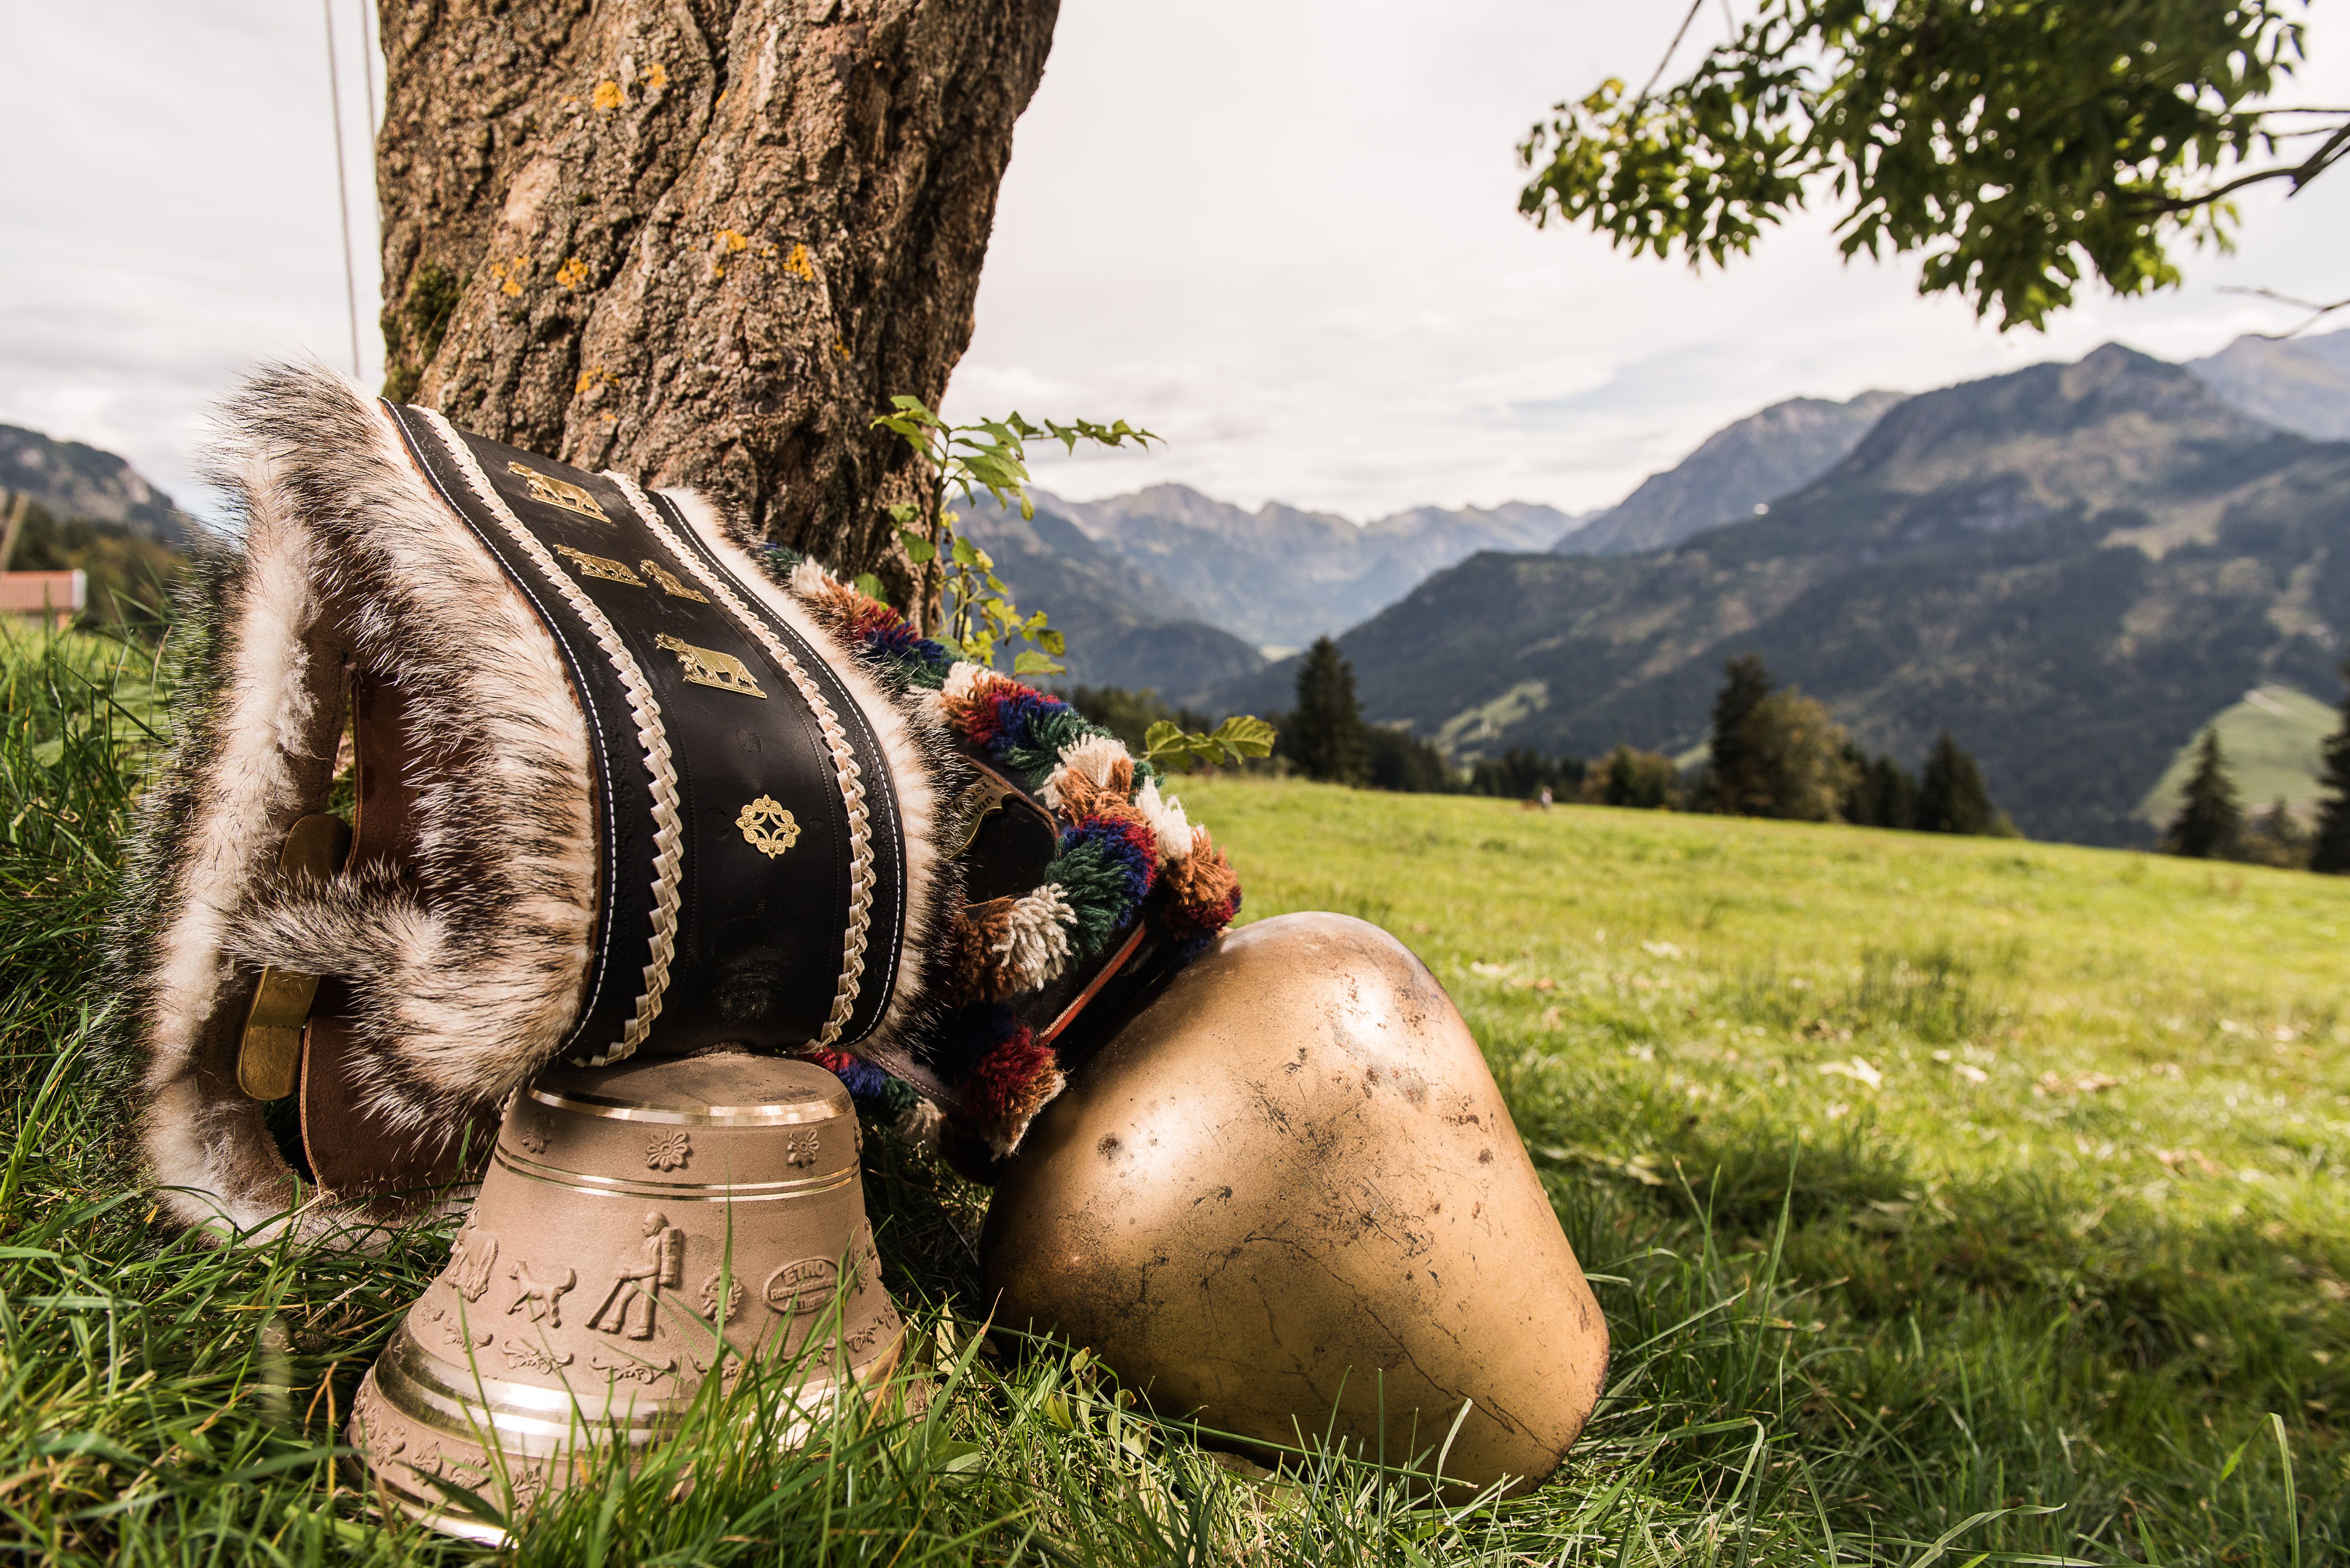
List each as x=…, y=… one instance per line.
x=172, y=215
x=1282, y=233
x=1286, y=237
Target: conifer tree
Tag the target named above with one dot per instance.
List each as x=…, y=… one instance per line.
x=1892, y=795
x=2276, y=837
x=1792, y=757
x=1950, y=794
x=1731, y=785
x=1325, y=732
x=2329, y=849
x=2210, y=821
x=1629, y=776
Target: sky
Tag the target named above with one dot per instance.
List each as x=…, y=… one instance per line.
x=1281, y=233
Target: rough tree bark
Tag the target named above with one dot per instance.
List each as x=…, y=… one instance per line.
x=699, y=239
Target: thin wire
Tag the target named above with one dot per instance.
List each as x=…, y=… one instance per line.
x=343, y=185
x=366, y=65
x=368, y=53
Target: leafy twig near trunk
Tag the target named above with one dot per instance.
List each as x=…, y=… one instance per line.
x=973, y=609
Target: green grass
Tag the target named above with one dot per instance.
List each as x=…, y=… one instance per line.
x=2273, y=737
x=2049, y=1265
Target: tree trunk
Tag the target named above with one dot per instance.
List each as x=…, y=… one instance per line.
x=701, y=240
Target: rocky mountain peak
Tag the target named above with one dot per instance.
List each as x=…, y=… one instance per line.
x=69, y=479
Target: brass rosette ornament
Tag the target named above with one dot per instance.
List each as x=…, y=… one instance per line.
x=640, y=1231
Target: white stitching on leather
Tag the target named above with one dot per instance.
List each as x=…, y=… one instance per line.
x=844, y=759
x=668, y=834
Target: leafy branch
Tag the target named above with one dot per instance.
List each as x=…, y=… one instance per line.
x=1166, y=745
x=2017, y=146
x=975, y=610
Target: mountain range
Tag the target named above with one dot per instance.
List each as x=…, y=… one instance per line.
x=1277, y=577
x=2070, y=568
x=71, y=480
x=1736, y=473
x=1123, y=629
x=2298, y=384
x=1280, y=576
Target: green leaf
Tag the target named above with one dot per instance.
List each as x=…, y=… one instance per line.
x=1052, y=641
x=905, y=514
x=2044, y=143
x=957, y=1459
x=1246, y=736
x=918, y=549
x=870, y=587
x=966, y=554
x=1030, y=662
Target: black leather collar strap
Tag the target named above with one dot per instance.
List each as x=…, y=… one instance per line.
x=751, y=880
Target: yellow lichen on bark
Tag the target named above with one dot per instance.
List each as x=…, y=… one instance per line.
x=728, y=242
x=509, y=275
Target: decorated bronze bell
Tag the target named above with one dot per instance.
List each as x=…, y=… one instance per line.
x=640, y=1231
x=1285, y=1197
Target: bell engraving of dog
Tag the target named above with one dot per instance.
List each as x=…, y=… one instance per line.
x=541, y=1296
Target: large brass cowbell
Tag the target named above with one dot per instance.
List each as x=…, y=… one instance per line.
x=629, y=1219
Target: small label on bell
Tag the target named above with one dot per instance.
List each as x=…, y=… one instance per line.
x=797, y=1289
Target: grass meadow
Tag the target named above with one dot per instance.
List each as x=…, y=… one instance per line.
x=1952, y=1201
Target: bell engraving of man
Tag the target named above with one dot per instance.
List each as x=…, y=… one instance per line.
x=630, y=1305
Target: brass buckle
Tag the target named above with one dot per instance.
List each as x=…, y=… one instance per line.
x=269, y=1057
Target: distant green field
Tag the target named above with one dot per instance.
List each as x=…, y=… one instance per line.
x=1952, y=1201
x=2068, y=1125
x=2272, y=738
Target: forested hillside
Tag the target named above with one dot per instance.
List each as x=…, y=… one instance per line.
x=1123, y=626
x=2071, y=567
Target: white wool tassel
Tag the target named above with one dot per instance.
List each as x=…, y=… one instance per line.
x=809, y=579
x=1165, y=815
x=920, y=1124
x=1090, y=759
x=963, y=680
x=1036, y=943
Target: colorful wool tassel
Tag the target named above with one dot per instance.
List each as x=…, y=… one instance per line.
x=1095, y=774
x=1165, y=815
x=1126, y=849
x=1035, y=946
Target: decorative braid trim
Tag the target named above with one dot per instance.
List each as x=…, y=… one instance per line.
x=667, y=833
x=851, y=779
